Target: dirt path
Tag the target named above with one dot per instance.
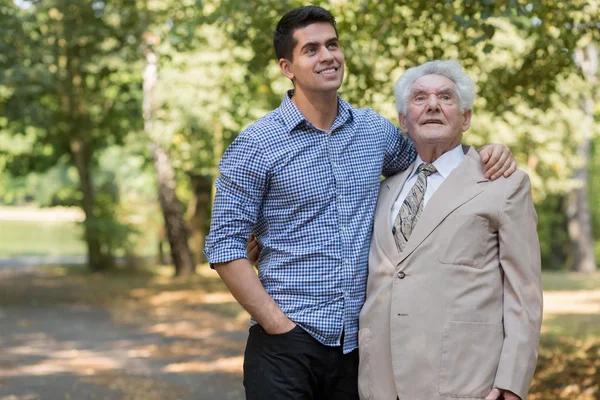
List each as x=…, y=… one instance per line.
x=54, y=348
x=68, y=334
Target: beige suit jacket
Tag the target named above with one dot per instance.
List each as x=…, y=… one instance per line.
x=459, y=311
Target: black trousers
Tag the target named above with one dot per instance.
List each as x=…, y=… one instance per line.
x=294, y=365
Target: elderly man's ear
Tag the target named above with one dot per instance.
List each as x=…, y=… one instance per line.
x=467, y=121
x=402, y=122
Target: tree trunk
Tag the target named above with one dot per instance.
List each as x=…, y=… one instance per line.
x=75, y=110
x=578, y=210
x=171, y=208
x=199, y=211
x=81, y=157
x=165, y=177
x=579, y=218
x=78, y=149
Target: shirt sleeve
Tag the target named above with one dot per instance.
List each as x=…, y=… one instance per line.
x=400, y=152
x=240, y=191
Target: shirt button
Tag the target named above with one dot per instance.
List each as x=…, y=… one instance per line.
x=401, y=275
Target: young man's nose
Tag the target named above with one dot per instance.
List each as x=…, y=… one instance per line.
x=326, y=55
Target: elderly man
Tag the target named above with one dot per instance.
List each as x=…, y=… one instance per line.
x=454, y=302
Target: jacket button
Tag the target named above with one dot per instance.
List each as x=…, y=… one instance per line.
x=401, y=275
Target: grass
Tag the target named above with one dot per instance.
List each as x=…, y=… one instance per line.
x=569, y=355
x=569, y=281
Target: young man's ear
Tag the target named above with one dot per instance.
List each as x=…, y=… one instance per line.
x=286, y=67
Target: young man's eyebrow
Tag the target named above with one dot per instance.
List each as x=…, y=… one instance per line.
x=327, y=42
x=309, y=44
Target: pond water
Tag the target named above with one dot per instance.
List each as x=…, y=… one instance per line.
x=40, y=238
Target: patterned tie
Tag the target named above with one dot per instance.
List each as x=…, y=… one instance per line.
x=411, y=209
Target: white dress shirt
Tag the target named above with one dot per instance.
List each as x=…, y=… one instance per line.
x=444, y=165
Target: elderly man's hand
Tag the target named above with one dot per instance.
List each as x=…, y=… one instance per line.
x=496, y=394
x=498, y=160
x=253, y=249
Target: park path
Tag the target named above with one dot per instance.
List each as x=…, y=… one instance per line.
x=57, y=351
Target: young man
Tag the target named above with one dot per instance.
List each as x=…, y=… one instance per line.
x=304, y=178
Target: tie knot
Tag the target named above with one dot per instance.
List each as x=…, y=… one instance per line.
x=427, y=169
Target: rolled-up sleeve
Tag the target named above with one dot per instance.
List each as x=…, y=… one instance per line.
x=240, y=190
x=400, y=152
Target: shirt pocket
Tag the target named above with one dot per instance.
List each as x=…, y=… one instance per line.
x=464, y=240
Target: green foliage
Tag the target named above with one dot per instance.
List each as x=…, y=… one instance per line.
x=71, y=88
x=594, y=191
x=594, y=185
x=54, y=187
x=519, y=53
x=552, y=232
x=70, y=77
x=70, y=74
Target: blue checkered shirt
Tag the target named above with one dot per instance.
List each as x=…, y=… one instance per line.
x=310, y=197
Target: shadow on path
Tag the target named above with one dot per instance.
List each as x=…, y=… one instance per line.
x=61, y=350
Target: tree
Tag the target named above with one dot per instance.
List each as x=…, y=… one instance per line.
x=520, y=54
x=69, y=92
x=578, y=209
x=171, y=206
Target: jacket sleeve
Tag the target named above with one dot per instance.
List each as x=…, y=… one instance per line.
x=522, y=304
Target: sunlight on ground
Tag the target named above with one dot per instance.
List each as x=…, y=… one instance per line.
x=182, y=329
x=230, y=364
x=54, y=214
x=51, y=357
x=185, y=296
x=576, y=302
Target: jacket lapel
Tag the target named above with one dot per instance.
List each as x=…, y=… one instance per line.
x=390, y=189
x=460, y=186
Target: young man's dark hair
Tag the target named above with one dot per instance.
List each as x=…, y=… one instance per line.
x=283, y=37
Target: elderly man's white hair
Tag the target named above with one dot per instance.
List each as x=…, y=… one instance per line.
x=451, y=69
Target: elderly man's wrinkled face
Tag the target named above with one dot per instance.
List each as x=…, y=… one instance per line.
x=433, y=113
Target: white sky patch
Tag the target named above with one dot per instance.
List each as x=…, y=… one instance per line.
x=22, y=3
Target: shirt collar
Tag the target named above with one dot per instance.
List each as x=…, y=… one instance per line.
x=292, y=117
x=446, y=163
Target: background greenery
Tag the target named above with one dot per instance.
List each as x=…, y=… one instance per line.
x=72, y=131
